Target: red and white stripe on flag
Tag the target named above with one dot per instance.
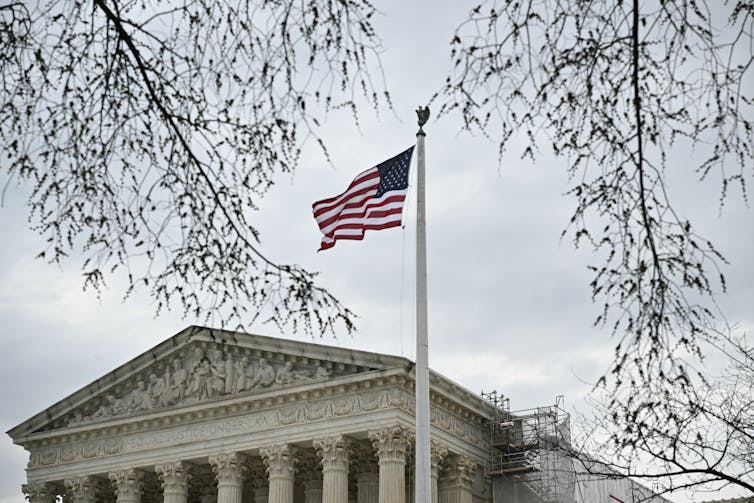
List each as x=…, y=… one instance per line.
x=373, y=201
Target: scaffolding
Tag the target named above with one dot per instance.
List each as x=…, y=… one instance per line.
x=528, y=447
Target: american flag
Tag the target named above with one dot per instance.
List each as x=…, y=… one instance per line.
x=374, y=200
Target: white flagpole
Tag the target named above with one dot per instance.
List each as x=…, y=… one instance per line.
x=422, y=475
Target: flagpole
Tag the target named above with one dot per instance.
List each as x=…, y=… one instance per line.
x=422, y=474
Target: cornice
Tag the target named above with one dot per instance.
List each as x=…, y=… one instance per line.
x=218, y=408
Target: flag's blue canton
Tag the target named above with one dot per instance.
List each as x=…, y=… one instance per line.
x=394, y=173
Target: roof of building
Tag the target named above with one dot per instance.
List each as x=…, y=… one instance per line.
x=749, y=499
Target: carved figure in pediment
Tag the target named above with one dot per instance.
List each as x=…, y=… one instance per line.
x=264, y=376
x=199, y=377
x=177, y=382
x=139, y=398
x=198, y=356
x=218, y=374
x=285, y=374
x=77, y=418
x=116, y=405
x=101, y=411
x=229, y=375
x=157, y=389
x=322, y=372
x=243, y=375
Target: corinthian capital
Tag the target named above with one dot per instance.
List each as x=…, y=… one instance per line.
x=467, y=468
x=391, y=442
x=127, y=482
x=229, y=467
x=174, y=475
x=83, y=489
x=438, y=452
x=333, y=450
x=280, y=460
x=40, y=492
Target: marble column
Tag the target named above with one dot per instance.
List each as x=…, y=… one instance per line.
x=458, y=486
x=229, y=470
x=40, y=492
x=333, y=451
x=281, y=468
x=174, y=476
x=437, y=453
x=391, y=443
x=127, y=482
x=467, y=468
x=82, y=489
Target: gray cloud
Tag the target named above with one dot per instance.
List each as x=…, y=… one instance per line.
x=509, y=302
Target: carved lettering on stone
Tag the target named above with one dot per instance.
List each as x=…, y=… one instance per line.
x=199, y=432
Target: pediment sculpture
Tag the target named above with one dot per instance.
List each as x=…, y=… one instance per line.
x=206, y=373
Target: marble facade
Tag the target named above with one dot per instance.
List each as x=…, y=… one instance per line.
x=212, y=416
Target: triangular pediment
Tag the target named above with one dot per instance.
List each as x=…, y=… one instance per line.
x=201, y=365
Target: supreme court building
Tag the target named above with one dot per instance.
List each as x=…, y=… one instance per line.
x=215, y=416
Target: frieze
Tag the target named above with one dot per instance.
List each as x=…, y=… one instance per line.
x=199, y=432
x=305, y=412
x=69, y=453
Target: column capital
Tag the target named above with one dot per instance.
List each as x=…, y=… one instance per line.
x=127, y=482
x=280, y=460
x=391, y=442
x=229, y=467
x=83, y=488
x=333, y=450
x=466, y=468
x=437, y=453
x=174, y=475
x=40, y=492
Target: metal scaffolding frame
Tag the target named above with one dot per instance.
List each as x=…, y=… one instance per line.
x=528, y=446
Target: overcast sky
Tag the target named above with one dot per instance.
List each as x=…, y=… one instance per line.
x=509, y=302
